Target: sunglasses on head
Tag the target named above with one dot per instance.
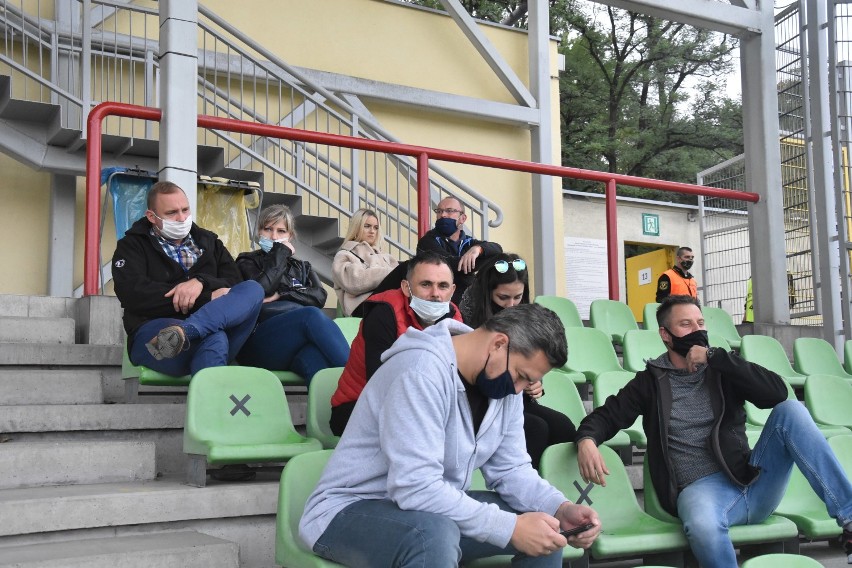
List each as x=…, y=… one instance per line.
x=502, y=266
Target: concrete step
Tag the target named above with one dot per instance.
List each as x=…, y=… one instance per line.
x=47, y=386
x=60, y=355
x=180, y=549
x=75, y=417
x=63, y=463
x=36, y=306
x=37, y=330
x=71, y=507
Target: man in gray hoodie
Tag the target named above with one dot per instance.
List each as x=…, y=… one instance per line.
x=444, y=403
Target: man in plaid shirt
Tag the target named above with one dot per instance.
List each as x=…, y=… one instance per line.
x=185, y=305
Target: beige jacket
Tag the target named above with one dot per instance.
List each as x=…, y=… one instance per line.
x=357, y=269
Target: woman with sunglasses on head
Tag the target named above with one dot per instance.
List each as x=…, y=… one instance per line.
x=292, y=333
x=504, y=283
x=360, y=265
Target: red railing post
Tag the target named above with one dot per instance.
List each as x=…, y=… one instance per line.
x=611, y=240
x=423, y=197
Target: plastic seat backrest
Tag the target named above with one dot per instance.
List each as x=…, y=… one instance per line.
x=816, y=356
x=590, y=352
x=349, y=326
x=719, y=321
x=847, y=356
x=717, y=340
x=759, y=416
x=564, y=308
x=649, y=315
x=322, y=388
x=561, y=394
x=236, y=406
x=298, y=480
x=639, y=345
x=612, y=317
x=829, y=400
x=767, y=352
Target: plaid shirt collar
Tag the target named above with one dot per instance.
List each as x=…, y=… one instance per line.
x=185, y=253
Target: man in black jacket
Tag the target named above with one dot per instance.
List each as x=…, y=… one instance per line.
x=691, y=401
x=185, y=305
x=464, y=253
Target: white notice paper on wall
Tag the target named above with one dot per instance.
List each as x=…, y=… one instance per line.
x=644, y=276
x=585, y=272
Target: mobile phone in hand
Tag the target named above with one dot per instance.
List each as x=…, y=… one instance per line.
x=577, y=530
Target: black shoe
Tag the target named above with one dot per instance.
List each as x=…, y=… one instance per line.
x=846, y=541
x=234, y=473
x=168, y=343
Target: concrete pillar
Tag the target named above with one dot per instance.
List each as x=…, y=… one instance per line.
x=763, y=172
x=178, y=93
x=60, y=270
x=543, y=196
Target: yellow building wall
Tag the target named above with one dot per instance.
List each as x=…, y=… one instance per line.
x=375, y=40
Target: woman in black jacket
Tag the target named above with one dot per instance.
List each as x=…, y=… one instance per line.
x=292, y=332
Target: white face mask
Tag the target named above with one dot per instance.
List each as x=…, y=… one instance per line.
x=429, y=312
x=175, y=230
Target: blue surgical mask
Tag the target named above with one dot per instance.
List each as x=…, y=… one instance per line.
x=446, y=226
x=498, y=387
x=265, y=244
x=428, y=311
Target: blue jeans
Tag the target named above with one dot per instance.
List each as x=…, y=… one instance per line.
x=302, y=341
x=711, y=504
x=378, y=533
x=223, y=325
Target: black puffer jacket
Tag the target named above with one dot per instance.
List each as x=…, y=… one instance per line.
x=732, y=381
x=279, y=271
x=143, y=273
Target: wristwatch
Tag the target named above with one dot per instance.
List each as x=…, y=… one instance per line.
x=710, y=352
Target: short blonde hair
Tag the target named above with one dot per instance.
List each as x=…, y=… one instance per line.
x=357, y=223
x=272, y=215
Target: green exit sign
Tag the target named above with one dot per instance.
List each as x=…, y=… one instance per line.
x=651, y=224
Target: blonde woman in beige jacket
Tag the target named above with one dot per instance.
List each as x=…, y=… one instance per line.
x=360, y=265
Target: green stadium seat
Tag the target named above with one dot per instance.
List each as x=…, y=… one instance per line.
x=829, y=400
x=775, y=529
x=238, y=415
x=815, y=356
x=564, y=308
x=719, y=321
x=847, y=356
x=613, y=318
x=298, y=480
x=802, y=505
x=590, y=352
x=322, y=388
x=349, y=326
x=627, y=531
x=608, y=384
x=562, y=395
x=640, y=345
x=649, y=316
x=767, y=352
x=756, y=419
x=781, y=560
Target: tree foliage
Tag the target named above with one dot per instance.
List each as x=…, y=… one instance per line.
x=639, y=95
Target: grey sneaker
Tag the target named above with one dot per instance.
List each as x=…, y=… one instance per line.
x=168, y=343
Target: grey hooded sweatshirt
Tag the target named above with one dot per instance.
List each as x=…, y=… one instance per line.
x=411, y=440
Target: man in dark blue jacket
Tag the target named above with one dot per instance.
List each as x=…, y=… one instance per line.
x=185, y=305
x=691, y=400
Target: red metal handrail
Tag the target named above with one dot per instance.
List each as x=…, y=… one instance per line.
x=421, y=153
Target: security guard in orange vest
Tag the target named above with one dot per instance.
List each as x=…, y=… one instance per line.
x=677, y=281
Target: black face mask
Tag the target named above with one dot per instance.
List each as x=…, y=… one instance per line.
x=497, y=387
x=686, y=264
x=682, y=345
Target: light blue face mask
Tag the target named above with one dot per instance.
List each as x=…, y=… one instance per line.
x=265, y=244
x=429, y=312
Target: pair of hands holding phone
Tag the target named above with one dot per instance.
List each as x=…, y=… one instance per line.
x=537, y=534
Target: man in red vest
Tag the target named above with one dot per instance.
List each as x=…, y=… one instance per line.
x=677, y=281
x=423, y=299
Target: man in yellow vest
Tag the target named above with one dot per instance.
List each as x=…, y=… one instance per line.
x=677, y=281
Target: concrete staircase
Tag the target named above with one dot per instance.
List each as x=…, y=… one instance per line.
x=88, y=480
